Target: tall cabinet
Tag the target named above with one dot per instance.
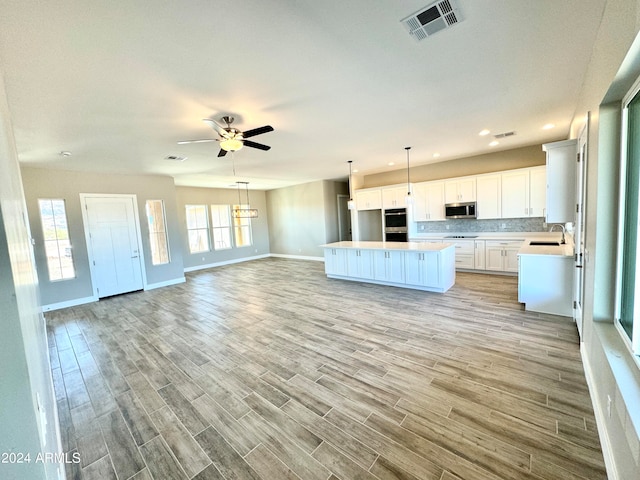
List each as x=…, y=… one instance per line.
x=561, y=180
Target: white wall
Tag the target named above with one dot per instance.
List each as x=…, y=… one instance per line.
x=609, y=365
x=26, y=374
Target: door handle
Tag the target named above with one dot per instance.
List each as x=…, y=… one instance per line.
x=135, y=256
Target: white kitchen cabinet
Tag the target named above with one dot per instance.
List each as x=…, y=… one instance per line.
x=523, y=193
x=388, y=266
x=537, y=191
x=479, y=254
x=428, y=201
x=460, y=190
x=489, y=196
x=368, y=199
x=335, y=261
x=502, y=256
x=394, y=197
x=360, y=263
x=465, y=254
x=545, y=284
x=561, y=181
x=422, y=268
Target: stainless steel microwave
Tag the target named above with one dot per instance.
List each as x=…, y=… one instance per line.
x=460, y=210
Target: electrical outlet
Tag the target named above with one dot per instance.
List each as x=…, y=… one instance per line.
x=447, y=227
x=504, y=225
x=609, y=402
x=422, y=227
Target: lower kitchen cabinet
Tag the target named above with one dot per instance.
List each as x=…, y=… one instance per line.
x=545, y=284
x=416, y=265
x=465, y=254
x=335, y=261
x=502, y=256
x=388, y=266
x=480, y=254
x=360, y=263
x=422, y=268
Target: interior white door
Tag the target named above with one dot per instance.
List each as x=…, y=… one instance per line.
x=578, y=281
x=113, y=244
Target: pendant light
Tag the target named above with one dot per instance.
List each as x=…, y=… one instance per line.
x=244, y=212
x=408, y=198
x=351, y=205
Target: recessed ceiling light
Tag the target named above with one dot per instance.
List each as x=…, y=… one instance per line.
x=494, y=143
x=64, y=153
x=548, y=126
x=436, y=155
x=390, y=163
x=355, y=170
x=484, y=132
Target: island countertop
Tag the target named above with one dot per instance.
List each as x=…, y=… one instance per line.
x=411, y=246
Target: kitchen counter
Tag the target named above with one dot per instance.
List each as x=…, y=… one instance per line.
x=545, y=278
x=416, y=265
x=362, y=245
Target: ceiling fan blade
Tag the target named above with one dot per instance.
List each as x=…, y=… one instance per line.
x=213, y=124
x=257, y=131
x=259, y=146
x=222, y=153
x=198, y=141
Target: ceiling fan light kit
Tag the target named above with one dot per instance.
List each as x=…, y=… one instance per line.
x=231, y=139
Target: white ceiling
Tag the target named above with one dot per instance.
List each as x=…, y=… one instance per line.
x=119, y=83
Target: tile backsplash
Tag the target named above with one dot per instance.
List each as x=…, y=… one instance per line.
x=536, y=224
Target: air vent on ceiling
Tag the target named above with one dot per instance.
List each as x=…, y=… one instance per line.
x=503, y=135
x=175, y=158
x=432, y=19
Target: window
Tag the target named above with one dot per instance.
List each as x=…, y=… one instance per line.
x=157, y=232
x=197, y=228
x=242, y=229
x=221, y=227
x=57, y=246
x=628, y=310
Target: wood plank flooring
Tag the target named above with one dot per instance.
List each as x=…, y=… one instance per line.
x=269, y=370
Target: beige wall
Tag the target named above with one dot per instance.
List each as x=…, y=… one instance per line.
x=607, y=359
x=41, y=183
x=478, y=164
x=302, y=217
x=222, y=196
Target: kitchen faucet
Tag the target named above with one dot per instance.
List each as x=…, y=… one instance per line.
x=563, y=230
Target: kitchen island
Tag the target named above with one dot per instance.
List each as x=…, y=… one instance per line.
x=417, y=265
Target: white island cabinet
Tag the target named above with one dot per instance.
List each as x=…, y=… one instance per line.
x=417, y=265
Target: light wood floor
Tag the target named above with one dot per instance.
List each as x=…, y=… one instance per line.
x=267, y=369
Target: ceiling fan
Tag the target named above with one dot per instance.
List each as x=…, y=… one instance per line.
x=231, y=139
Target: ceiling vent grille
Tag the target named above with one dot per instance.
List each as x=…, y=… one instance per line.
x=504, y=135
x=175, y=158
x=432, y=19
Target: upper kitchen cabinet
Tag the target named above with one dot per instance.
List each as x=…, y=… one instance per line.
x=368, y=199
x=523, y=192
x=428, y=201
x=460, y=190
x=561, y=181
x=394, y=197
x=489, y=196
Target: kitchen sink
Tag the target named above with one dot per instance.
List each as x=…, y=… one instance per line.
x=545, y=243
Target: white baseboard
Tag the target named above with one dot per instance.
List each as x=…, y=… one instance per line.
x=69, y=303
x=297, y=257
x=173, y=281
x=600, y=413
x=226, y=262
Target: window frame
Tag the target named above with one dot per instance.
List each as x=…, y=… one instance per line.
x=68, y=248
x=238, y=224
x=198, y=228
x=633, y=341
x=228, y=227
x=153, y=233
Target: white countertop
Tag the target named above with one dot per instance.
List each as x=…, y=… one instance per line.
x=565, y=250
x=420, y=246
